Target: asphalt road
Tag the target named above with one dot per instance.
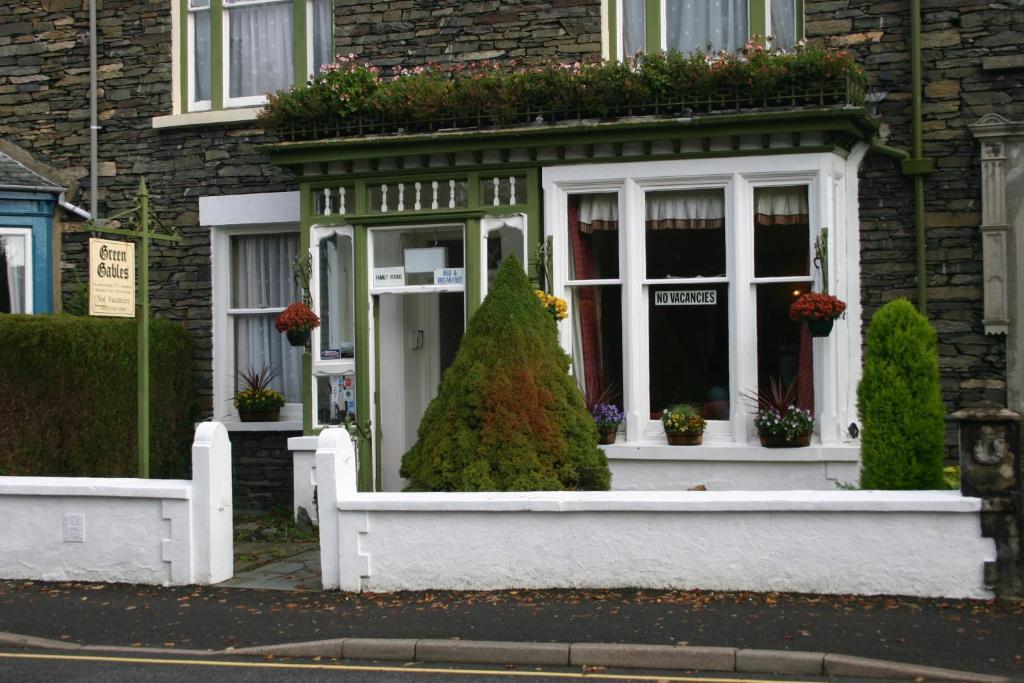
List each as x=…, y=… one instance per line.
x=45, y=667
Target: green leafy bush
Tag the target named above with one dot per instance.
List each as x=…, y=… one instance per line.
x=68, y=397
x=508, y=416
x=901, y=409
x=349, y=98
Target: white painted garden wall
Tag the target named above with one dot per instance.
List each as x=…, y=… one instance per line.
x=169, y=532
x=924, y=543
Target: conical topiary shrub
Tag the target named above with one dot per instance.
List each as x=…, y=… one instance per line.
x=899, y=402
x=507, y=417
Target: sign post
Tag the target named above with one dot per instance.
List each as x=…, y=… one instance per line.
x=111, y=271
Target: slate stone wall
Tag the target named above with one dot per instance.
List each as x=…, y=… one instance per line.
x=973, y=64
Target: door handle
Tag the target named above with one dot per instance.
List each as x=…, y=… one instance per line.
x=417, y=342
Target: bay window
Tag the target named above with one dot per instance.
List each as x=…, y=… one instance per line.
x=234, y=52
x=679, y=277
x=696, y=25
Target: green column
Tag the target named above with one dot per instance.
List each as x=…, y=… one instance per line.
x=143, y=332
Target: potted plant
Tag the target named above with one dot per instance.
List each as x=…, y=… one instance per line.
x=818, y=310
x=778, y=420
x=257, y=402
x=297, y=321
x=607, y=417
x=684, y=425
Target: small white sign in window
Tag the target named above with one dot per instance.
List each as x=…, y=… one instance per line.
x=449, y=276
x=389, y=277
x=686, y=297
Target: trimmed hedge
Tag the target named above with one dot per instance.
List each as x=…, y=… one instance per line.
x=900, y=405
x=68, y=397
x=508, y=416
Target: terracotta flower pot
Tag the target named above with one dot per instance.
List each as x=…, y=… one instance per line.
x=675, y=439
x=298, y=337
x=780, y=441
x=607, y=436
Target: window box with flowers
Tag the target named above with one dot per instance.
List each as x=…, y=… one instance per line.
x=684, y=425
x=257, y=402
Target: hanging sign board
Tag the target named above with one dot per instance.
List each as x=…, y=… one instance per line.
x=389, y=277
x=111, y=278
x=449, y=276
x=686, y=297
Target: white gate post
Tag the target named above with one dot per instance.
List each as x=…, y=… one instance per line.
x=213, y=559
x=335, y=476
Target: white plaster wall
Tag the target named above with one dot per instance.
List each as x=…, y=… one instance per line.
x=652, y=467
x=134, y=530
x=124, y=537
x=911, y=543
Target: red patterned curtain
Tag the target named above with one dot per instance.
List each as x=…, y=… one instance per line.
x=586, y=305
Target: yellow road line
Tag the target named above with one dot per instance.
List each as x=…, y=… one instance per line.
x=388, y=669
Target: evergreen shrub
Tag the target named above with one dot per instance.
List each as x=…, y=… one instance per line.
x=68, y=397
x=901, y=409
x=508, y=416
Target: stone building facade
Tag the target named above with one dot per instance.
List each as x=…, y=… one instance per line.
x=973, y=65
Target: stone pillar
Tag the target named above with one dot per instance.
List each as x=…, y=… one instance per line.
x=990, y=469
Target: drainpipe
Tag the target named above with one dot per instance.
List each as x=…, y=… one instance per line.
x=917, y=166
x=68, y=206
x=93, y=123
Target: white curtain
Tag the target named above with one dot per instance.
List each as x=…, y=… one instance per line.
x=784, y=23
x=706, y=24
x=261, y=48
x=598, y=212
x=12, y=255
x=633, y=27
x=201, y=55
x=685, y=210
x=780, y=205
x=262, y=278
x=323, y=34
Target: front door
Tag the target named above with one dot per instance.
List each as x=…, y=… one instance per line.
x=419, y=299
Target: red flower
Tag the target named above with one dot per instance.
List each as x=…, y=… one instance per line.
x=296, y=318
x=816, y=306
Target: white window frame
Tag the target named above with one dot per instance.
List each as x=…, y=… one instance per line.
x=187, y=33
x=751, y=30
x=224, y=331
x=26, y=233
x=489, y=224
x=340, y=366
x=830, y=181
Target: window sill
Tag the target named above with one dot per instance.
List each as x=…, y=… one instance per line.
x=207, y=118
x=235, y=425
x=731, y=451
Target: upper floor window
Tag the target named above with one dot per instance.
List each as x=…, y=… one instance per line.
x=701, y=25
x=234, y=52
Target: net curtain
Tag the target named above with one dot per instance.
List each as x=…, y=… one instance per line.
x=262, y=278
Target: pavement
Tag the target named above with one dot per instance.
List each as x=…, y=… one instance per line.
x=764, y=632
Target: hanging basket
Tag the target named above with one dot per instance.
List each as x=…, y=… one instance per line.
x=298, y=337
x=819, y=327
x=780, y=441
x=607, y=436
x=675, y=439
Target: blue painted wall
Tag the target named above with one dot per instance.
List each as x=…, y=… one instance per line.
x=34, y=211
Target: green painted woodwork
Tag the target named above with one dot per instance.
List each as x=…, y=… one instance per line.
x=183, y=49
x=534, y=219
x=852, y=120
x=216, y=54
x=652, y=25
x=378, y=432
x=757, y=18
x=364, y=402
x=800, y=20
x=474, y=249
x=611, y=12
x=300, y=49
x=306, y=219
